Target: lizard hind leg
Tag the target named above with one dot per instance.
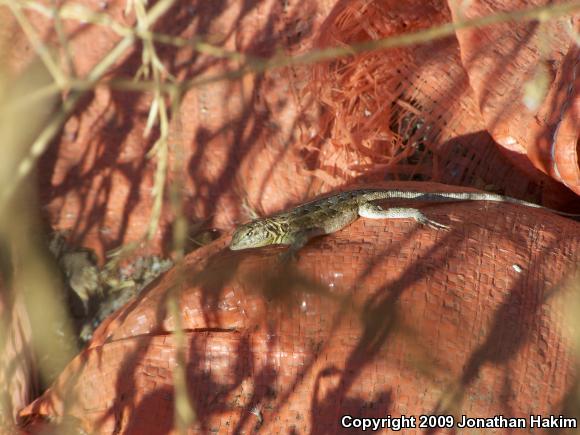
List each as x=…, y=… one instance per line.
x=373, y=211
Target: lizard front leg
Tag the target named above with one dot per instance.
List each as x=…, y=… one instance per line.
x=298, y=240
x=373, y=211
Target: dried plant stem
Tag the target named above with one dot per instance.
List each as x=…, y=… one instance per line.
x=41, y=143
x=41, y=49
x=184, y=411
x=161, y=153
x=80, y=12
x=254, y=65
x=152, y=65
x=542, y=13
x=63, y=39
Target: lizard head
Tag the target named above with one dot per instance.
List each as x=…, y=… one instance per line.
x=254, y=234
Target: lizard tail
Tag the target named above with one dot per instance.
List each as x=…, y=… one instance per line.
x=456, y=196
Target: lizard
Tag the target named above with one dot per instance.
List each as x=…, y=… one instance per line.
x=331, y=213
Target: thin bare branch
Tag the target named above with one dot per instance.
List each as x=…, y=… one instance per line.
x=44, y=138
x=257, y=65
x=39, y=47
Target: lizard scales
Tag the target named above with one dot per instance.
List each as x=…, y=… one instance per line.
x=331, y=213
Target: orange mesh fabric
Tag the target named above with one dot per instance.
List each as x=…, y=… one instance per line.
x=383, y=313
x=384, y=317
x=406, y=112
x=96, y=179
x=389, y=105
x=525, y=77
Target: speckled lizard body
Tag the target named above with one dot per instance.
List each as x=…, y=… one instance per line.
x=334, y=212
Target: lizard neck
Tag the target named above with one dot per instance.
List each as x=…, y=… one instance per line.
x=278, y=227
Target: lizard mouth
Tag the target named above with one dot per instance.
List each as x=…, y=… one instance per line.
x=234, y=247
x=240, y=242
x=237, y=243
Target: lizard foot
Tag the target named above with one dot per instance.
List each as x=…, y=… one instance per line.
x=432, y=224
x=288, y=256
